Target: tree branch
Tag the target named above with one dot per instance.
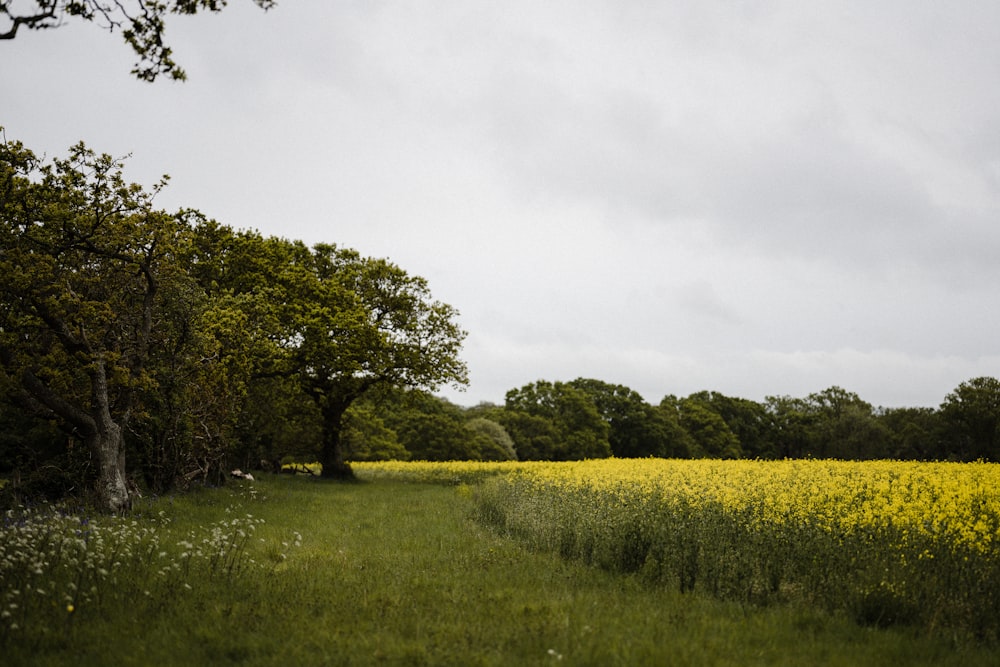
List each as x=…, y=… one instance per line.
x=32, y=22
x=36, y=392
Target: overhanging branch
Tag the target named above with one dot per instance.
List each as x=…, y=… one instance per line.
x=34, y=22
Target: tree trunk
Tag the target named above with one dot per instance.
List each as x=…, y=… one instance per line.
x=332, y=453
x=108, y=446
x=102, y=435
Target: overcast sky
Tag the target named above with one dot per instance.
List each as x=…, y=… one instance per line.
x=756, y=198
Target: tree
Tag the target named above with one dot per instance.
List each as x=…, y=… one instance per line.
x=792, y=422
x=430, y=428
x=667, y=418
x=342, y=325
x=142, y=24
x=364, y=324
x=971, y=415
x=255, y=282
x=709, y=430
x=491, y=440
x=833, y=423
x=34, y=456
x=913, y=433
x=748, y=421
x=367, y=438
x=536, y=438
x=200, y=364
x=555, y=421
x=84, y=261
x=637, y=429
x=844, y=426
x=178, y=337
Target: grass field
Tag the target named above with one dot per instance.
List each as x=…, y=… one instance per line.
x=296, y=571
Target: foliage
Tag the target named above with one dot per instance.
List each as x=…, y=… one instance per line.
x=710, y=432
x=491, y=440
x=913, y=433
x=971, y=415
x=85, y=260
x=555, y=421
x=745, y=419
x=34, y=453
x=341, y=325
x=142, y=24
x=833, y=423
x=354, y=325
x=433, y=429
x=202, y=370
x=792, y=423
x=845, y=426
x=636, y=428
x=367, y=438
x=429, y=428
x=177, y=346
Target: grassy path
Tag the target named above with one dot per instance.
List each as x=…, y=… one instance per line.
x=392, y=573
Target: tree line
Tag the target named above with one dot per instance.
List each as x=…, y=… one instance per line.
x=589, y=418
x=608, y=419
x=141, y=347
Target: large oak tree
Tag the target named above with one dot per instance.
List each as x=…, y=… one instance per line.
x=342, y=325
x=357, y=324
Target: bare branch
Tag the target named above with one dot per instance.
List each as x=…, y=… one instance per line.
x=33, y=22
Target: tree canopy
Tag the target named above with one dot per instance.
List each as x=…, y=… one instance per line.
x=340, y=324
x=635, y=428
x=971, y=415
x=142, y=24
x=85, y=261
x=555, y=421
x=160, y=340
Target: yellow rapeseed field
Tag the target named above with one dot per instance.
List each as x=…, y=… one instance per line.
x=889, y=542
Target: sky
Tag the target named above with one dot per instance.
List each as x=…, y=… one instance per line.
x=756, y=198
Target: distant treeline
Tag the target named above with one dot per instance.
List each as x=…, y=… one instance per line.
x=561, y=421
x=588, y=418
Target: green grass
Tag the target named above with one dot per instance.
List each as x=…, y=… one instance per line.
x=398, y=574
